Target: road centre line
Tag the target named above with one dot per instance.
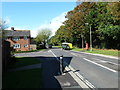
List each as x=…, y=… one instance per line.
x=105, y=61
x=77, y=76
x=74, y=54
x=100, y=65
x=77, y=55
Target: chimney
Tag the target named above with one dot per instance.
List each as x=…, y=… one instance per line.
x=12, y=28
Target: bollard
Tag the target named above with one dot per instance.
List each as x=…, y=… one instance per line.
x=61, y=64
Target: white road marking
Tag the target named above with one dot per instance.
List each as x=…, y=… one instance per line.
x=104, y=61
x=100, y=65
x=98, y=55
x=74, y=54
x=54, y=55
x=81, y=77
x=77, y=77
x=83, y=85
x=77, y=55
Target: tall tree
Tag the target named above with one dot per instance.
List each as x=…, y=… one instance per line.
x=43, y=36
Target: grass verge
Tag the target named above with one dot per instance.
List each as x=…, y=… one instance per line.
x=29, y=51
x=23, y=79
x=23, y=61
x=58, y=46
x=110, y=52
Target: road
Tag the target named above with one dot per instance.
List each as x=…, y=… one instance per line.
x=102, y=72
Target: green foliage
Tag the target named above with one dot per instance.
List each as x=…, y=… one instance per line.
x=104, y=19
x=43, y=37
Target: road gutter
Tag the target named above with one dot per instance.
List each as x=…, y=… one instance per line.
x=77, y=76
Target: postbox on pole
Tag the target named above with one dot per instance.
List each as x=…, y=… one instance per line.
x=86, y=46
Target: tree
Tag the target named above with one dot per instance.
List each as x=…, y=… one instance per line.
x=3, y=25
x=43, y=36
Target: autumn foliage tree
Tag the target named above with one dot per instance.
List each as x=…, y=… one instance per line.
x=104, y=19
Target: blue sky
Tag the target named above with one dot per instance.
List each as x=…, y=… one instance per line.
x=35, y=15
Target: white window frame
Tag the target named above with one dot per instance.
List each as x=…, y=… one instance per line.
x=25, y=45
x=15, y=38
x=16, y=46
x=25, y=38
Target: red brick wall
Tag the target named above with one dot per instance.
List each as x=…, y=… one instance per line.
x=22, y=42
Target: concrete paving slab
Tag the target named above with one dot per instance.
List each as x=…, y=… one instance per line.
x=66, y=81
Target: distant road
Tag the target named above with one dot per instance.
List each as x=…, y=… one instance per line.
x=100, y=71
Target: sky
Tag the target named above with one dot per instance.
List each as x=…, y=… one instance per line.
x=35, y=16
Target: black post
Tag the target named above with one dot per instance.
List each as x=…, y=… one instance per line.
x=61, y=64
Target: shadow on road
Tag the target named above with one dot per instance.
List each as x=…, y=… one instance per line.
x=51, y=68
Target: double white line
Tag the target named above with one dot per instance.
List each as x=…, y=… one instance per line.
x=78, y=77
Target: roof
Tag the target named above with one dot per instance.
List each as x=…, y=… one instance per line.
x=10, y=33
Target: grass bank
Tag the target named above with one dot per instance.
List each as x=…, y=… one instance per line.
x=58, y=46
x=29, y=51
x=110, y=52
x=23, y=61
x=23, y=79
x=31, y=78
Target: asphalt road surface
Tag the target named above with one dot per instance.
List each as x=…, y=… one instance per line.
x=102, y=72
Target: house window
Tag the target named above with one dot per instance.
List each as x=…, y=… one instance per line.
x=25, y=37
x=16, y=38
x=16, y=46
x=26, y=45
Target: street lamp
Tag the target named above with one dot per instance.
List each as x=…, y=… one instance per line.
x=90, y=37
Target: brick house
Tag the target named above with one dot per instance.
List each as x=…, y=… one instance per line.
x=19, y=39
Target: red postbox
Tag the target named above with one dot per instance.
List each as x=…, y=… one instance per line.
x=86, y=46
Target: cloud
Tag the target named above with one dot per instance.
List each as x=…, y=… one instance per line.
x=54, y=24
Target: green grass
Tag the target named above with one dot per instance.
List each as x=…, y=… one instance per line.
x=110, y=52
x=105, y=52
x=23, y=61
x=29, y=51
x=58, y=46
x=23, y=79
x=77, y=49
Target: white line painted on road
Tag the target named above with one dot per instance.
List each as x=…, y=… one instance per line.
x=83, y=85
x=98, y=55
x=77, y=55
x=100, y=65
x=105, y=61
x=74, y=54
x=54, y=55
x=83, y=79
x=77, y=77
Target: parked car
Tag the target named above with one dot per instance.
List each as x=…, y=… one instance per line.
x=49, y=46
x=67, y=46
